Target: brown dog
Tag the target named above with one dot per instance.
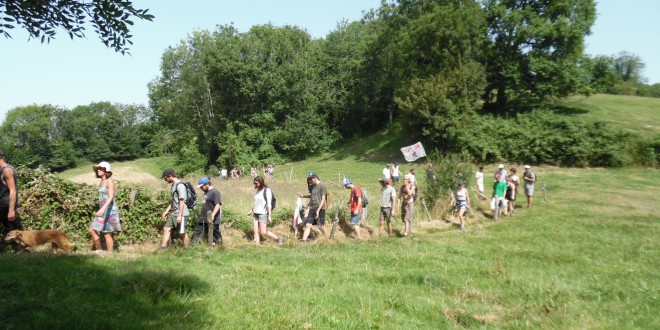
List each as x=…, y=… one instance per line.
x=32, y=238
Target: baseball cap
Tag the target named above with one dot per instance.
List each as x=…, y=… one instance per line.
x=500, y=166
x=346, y=181
x=312, y=175
x=460, y=182
x=203, y=181
x=527, y=166
x=384, y=179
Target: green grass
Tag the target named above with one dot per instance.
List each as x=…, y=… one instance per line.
x=633, y=114
x=586, y=258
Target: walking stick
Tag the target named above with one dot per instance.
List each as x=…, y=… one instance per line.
x=427, y=210
x=210, y=228
x=333, y=232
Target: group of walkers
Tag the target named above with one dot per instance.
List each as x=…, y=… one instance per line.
x=107, y=221
x=505, y=188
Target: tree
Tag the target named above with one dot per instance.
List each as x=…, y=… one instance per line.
x=534, y=50
x=109, y=18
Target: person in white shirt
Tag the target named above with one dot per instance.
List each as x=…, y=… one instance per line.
x=480, y=179
x=386, y=171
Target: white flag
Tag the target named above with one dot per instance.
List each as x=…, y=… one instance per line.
x=413, y=152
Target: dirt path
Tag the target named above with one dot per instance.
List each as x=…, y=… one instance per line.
x=122, y=173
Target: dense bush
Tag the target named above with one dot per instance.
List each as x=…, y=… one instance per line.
x=542, y=137
x=448, y=171
x=50, y=202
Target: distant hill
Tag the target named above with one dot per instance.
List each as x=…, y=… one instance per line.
x=634, y=114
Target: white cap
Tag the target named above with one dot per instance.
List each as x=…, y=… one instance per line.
x=527, y=166
x=104, y=165
x=501, y=166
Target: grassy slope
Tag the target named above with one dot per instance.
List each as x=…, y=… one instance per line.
x=586, y=258
x=633, y=114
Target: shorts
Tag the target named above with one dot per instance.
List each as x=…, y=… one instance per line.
x=460, y=205
x=179, y=227
x=355, y=218
x=386, y=214
x=395, y=179
x=310, y=219
x=261, y=218
x=408, y=210
x=321, y=220
x=7, y=225
x=529, y=191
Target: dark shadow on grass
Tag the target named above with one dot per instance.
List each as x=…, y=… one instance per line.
x=569, y=111
x=45, y=291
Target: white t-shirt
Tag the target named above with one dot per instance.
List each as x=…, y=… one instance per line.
x=386, y=172
x=480, y=177
x=260, y=204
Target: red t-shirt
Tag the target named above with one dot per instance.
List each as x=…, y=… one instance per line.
x=355, y=194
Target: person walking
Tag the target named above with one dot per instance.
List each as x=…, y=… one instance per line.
x=262, y=211
x=387, y=172
x=317, y=202
x=176, y=215
x=9, y=218
x=430, y=174
x=407, y=199
x=530, y=180
x=211, y=201
x=462, y=203
x=107, y=220
x=480, y=179
x=499, y=188
x=387, y=202
x=355, y=202
x=396, y=174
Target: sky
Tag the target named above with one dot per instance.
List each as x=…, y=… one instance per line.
x=69, y=73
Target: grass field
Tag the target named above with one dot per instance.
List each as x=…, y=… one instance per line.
x=633, y=114
x=586, y=258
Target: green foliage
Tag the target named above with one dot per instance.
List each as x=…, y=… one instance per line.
x=534, y=50
x=542, y=137
x=448, y=171
x=189, y=161
x=109, y=18
x=49, y=202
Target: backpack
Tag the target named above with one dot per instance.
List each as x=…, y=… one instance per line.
x=365, y=199
x=273, y=200
x=191, y=201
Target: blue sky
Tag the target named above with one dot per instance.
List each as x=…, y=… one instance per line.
x=77, y=72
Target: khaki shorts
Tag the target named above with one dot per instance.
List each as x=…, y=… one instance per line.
x=171, y=223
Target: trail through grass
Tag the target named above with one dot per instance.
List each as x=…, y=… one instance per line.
x=586, y=258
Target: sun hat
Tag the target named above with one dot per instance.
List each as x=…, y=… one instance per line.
x=104, y=165
x=527, y=166
x=384, y=179
x=203, y=181
x=346, y=181
x=500, y=166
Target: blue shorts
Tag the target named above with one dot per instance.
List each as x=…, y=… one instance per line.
x=355, y=218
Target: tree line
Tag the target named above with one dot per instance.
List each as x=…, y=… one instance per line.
x=273, y=94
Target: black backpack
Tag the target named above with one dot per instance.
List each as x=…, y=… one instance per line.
x=273, y=201
x=191, y=201
x=365, y=199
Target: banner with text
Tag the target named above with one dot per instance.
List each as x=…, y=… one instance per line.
x=413, y=152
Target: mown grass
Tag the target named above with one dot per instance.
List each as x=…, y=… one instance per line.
x=632, y=114
x=586, y=258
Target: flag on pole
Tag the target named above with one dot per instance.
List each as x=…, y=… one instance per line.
x=296, y=215
x=413, y=152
